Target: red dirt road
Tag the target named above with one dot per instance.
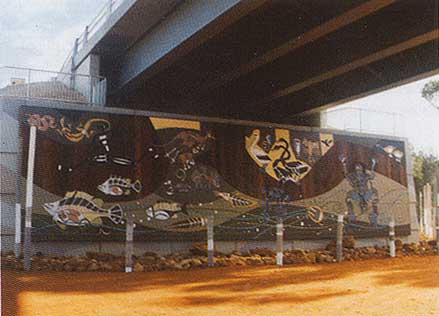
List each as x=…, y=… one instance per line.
x=402, y=286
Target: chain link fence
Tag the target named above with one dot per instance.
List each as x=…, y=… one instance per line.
x=364, y=121
x=49, y=85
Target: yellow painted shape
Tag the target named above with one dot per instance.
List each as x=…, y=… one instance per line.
x=162, y=123
x=326, y=138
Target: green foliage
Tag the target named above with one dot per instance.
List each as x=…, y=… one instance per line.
x=424, y=169
x=430, y=90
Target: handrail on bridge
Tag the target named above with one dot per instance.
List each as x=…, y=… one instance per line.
x=31, y=83
x=104, y=14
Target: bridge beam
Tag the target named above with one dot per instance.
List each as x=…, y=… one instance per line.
x=188, y=26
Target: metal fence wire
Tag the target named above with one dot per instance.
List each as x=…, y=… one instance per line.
x=50, y=85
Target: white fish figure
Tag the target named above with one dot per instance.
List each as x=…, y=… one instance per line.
x=80, y=209
x=389, y=149
x=392, y=152
x=117, y=186
x=163, y=210
x=398, y=154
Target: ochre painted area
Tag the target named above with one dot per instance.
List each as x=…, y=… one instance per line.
x=391, y=287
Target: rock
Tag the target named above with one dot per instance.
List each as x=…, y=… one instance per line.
x=198, y=249
x=432, y=243
x=93, y=267
x=263, y=252
x=349, y=242
x=371, y=250
x=196, y=262
x=106, y=267
x=138, y=267
x=269, y=260
x=312, y=257
x=68, y=267
x=148, y=260
x=331, y=246
x=237, y=260
x=254, y=260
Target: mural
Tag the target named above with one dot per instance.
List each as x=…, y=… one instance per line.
x=93, y=170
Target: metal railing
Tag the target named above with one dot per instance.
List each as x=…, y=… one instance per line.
x=104, y=14
x=52, y=85
x=364, y=121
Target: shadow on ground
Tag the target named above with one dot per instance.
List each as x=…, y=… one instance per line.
x=254, y=285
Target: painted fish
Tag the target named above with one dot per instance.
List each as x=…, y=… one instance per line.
x=233, y=199
x=80, y=209
x=163, y=210
x=118, y=186
x=392, y=152
x=190, y=223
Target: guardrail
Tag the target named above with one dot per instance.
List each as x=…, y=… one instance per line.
x=90, y=29
x=52, y=85
x=364, y=121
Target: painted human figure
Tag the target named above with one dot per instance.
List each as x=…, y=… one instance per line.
x=362, y=191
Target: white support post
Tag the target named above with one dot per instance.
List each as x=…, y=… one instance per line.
x=28, y=84
x=339, y=241
x=17, y=248
x=279, y=242
x=29, y=198
x=129, y=243
x=392, y=238
x=436, y=206
x=210, y=241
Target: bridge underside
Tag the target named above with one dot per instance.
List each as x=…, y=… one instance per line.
x=273, y=60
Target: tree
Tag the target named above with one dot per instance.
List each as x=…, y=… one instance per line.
x=430, y=92
x=424, y=169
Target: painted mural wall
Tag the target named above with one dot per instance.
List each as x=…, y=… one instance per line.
x=93, y=170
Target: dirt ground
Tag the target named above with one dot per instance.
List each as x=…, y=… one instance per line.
x=401, y=286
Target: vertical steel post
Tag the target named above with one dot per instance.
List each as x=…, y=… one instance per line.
x=339, y=242
x=421, y=213
x=73, y=65
x=279, y=242
x=91, y=78
x=129, y=243
x=210, y=241
x=436, y=205
x=17, y=248
x=29, y=198
x=392, y=237
x=86, y=34
x=28, y=84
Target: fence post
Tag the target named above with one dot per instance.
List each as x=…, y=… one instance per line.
x=17, y=248
x=29, y=198
x=86, y=34
x=210, y=241
x=279, y=242
x=129, y=243
x=436, y=205
x=91, y=78
x=339, y=243
x=28, y=84
x=392, y=237
x=421, y=213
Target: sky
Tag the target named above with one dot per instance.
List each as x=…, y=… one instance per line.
x=400, y=112
x=40, y=34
